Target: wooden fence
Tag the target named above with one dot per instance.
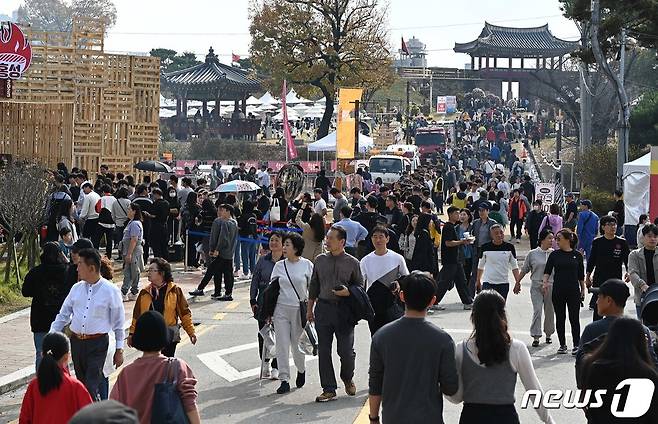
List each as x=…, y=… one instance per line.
x=79, y=105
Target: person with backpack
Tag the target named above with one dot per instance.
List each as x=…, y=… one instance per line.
x=47, y=286
x=248, y=236
x=54, y=396
x=120, y=215
x=106, y=223
x=553, y=222
x=610, y=305
x=136, y=384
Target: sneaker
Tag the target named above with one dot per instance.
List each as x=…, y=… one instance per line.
x=535, y=343
x=226, y=298
x=326, y=397
x=283, y=388
x=562, y=350
x=574, y=351
x=350, y=388
x=274, y=374
x=236, y=273
x=125, y=298
x=215, y=295
x=468, y=307
x=301, y=380
x=548, y=340
x=132, y=296
x=196, y=292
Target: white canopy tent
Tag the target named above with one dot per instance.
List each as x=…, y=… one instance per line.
x=328, y=143
x=292, y=115
x=253, y=101
x=268, y=99
x=636, y=189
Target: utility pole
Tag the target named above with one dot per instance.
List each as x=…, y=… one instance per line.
x=585, y=134
x=622, y=134
x=624, y=127
x=408, y=134
x=357, y=122
x=558, y=135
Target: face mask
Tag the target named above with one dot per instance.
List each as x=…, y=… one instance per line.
x=172, y=194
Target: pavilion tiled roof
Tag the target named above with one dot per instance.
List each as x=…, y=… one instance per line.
x=211, y=76
x=498, y=41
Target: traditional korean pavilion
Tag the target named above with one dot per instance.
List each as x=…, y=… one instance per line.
x=214, y=82
x=507, y=53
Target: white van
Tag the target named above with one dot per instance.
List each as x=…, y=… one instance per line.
x=389, y=167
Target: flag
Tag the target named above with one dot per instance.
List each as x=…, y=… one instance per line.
x=235, y=58
x=290, y=143
x=404, y=46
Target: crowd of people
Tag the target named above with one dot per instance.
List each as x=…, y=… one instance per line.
x=375, y=252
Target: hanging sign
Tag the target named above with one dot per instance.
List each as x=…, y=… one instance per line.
x=15, y=52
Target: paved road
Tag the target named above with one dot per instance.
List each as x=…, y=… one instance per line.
x=225, y=360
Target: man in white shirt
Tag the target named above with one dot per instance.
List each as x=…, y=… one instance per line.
x=504, y=187
x=264, y=179
x=93, y=308
x=496, y=259
x=89, y=215
x=381, y=270
x=319, y=205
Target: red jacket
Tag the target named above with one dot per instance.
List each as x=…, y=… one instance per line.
x=58, y=406
x=517, y=203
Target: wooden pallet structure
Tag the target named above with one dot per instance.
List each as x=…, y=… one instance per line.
x=79, y=105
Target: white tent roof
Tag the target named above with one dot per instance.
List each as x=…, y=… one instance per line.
x=292, y=98
x=328, y=143
x=292, y=115
x=636, y=189
x=268, y=99
x=253, y=101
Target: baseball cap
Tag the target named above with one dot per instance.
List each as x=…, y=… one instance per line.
x=615, y=289
x=484, y=205
x=569, y=194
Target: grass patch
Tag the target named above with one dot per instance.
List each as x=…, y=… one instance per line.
x=11, y=301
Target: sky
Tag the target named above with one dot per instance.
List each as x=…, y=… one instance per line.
x=195, y=25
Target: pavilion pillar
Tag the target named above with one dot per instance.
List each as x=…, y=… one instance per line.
x=510, y=63
x=205, y=108
x=560, y=62
x=184, y=111
x=522, y=63
x=218, y=112
x=552, y=63
x=543, y=62
x=495, y=64
x=537, y=67
x=179, y=106
x=472, y=62
x=487, y=64
x=244, y=106
x=479, y=62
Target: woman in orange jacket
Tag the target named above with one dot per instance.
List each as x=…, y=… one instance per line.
x=164, y=296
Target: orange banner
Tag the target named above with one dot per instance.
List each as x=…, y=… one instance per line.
x=345, y=131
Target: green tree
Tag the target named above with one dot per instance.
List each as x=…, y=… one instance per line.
x=57, y=15
x=171, y=61
x=321, y=45
x=644, y=120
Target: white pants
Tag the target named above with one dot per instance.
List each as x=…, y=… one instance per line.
x=288, y=329
x=541, y=303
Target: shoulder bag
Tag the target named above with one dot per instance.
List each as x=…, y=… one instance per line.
x=167, y=407
x=303, y=304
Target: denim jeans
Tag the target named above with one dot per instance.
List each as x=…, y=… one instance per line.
x=38, y=342
x=248, y=252
x=236, y=257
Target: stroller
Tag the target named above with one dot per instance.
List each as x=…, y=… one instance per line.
x=649, y=313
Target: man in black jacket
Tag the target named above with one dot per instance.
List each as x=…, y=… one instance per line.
x=369, y=219
x=394, y=215
x=158, y=235
x=146, y=204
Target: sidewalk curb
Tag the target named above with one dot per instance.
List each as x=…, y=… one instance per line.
x=23, y=376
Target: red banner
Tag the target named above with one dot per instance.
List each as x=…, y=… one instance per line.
x=310, y=167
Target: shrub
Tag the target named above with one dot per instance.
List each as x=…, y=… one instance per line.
x=602, y=201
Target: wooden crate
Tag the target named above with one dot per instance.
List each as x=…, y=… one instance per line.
x=82, y=106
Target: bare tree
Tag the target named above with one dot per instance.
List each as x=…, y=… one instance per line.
x=24, y=192
x=57, y=15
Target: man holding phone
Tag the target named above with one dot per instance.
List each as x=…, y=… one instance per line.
x=333, y=272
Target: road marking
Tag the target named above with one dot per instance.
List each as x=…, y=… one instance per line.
x=217, y=364
x=232, y=305
x=219, y=316
x=364, y=415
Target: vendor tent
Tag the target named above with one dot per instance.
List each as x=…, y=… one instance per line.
x=253, y=101
x=636, y=189
x=267, y=98
x=328, y=143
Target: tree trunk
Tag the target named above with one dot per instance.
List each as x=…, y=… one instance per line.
x=10, y=252
x=323, y=130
